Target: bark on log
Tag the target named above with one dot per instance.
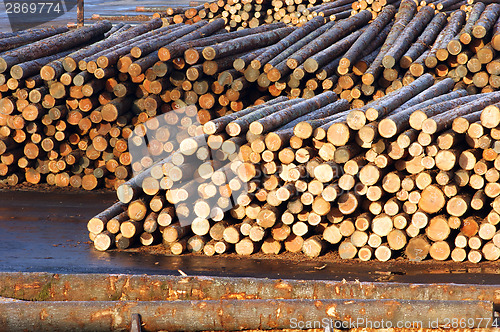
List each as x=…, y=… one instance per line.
x=486, y=21
x=29, y=36
x=444, y=120
x=409, y=34
x=405, y=14
x=241, y=124
x=399, y=119
x=287, y=42
x=177, y=49
x=318, y=60
x=218, y=125
x=246, y=43
x=70, y=62
x=399, y=97
x=52, y=45
x=337, y=32
x=418, y=117
x=281, y=118
x=465, y=35
x=424, y=41
x=457, y=19
x=353, y=54
x=280, y=60
x=240, y=313
x=29, y=68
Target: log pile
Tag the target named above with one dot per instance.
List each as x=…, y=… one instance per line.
x=56, y=122
x=35, y=131
x=411, y=174
x=305, y=138
x=250, y=14
x=359, y=73
x=462, y=47
x=66, y=119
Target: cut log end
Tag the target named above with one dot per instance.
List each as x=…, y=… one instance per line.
x=209, y=53
x=233, y=129
x=256, y=128
x=432, y=199
x=387, y=128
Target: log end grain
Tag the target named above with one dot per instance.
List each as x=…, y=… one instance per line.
x=432, y=199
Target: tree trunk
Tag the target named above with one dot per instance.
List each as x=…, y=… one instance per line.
x=52, y=45
x=424, y=41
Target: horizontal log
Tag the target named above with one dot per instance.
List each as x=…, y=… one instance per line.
x=345, y=311
x=51, y=45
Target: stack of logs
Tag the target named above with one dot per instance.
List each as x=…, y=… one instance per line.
x=414, y=173
x=244, y=14
x=250, y=14
x=34, y=120
x=362, y=63
x=57, y=126
x=66, y=118
x=73, y=101
x=61, y=123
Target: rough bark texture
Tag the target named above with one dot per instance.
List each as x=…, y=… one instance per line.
x=486, y=21
x=457, y=19
x=71, y=61
x=241, y=124
x=339, y=30
x=406, y=11
x=444, y=120
x=398, y=121
x=424, y=41
x=408, y=36
x=278, y=119
x=365, y=40
x=401, y=96
x=176, y=49
x=29, y=36
x=52, y=45
x=245, y=43
x=318, y=60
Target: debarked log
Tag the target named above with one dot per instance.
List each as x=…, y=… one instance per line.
x=239, y=314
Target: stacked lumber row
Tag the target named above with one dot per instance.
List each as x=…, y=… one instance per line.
x=65, y=127
x=82, y=109
x=414, y=174
x=305, y=63
x=302, y=65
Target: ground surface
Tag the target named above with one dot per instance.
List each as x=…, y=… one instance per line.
x=46, y=232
